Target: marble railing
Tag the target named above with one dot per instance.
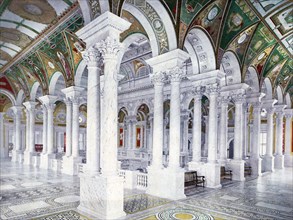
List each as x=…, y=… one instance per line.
x=132, y=179
x=141, y=181
x=56, y=165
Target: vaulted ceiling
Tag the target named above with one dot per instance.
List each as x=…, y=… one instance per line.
x=37, y=36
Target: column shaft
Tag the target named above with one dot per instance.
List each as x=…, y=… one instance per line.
x=288, y=134
x=68, y=128
x=92, y=57
x=279, y=133
x=256, y=131
x=32, y=130
x=212, y=131
x=158, y=138
x=196, y=129
x=238, y=131
x=175, y=131
x=45, y=127
x=75, y=128
x=50, y=129
x=223, y=130
x=270, y=132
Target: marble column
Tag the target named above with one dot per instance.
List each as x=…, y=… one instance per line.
x=184, y=138
x=151, y=134
x=288, y=161
x=68, y=104
x=255, y=160
x=71, y=158
x=158, y=139
x=245, y=131
x=48, y=121
x=279, y=157
x=172, y=186
x=17, y=154
x=175, y=132
x=269, y=158
x=196, y=129
x=237, y=164
x=224, y=130
x=30, y=148
x=93, y=59
x=212, y=167
x=2, y=147
x=107, y=201
x=109, y=48
x=45, y=126
x=27, y=133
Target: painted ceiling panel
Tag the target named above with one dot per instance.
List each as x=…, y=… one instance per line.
x=11, y=46
x=3, y=62
x=15, y=37
x=4, y=83
x=59, y=6
x=27, y=31
x=266, y=6
x=239, y=17
x=4, y=55
x=172, y=6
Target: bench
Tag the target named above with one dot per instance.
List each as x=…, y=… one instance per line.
x=226, y=174
x=247, y=169
x=191, y=178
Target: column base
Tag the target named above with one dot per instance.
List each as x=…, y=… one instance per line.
x=269, y=163
x=171, y=184
x=17, y=156
x=237, y=167
x=255, y=163
x=279, y=161
x=28, y=158
x=288, y=160
x=70, y=165
x=45, y=161
x=213, y=175
x=101, y=196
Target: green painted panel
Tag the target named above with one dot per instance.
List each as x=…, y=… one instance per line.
x=239, y=17
x=277, y=55
x=190, y=8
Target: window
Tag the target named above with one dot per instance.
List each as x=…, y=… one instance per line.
x=263, y=143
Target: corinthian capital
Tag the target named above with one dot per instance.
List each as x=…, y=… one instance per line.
x=213, y=89
x=109, y=47
x=92, y=56
x=176, y=74
x=158, y=77
x=239, y=98
x=198, y=92
x=224, y=100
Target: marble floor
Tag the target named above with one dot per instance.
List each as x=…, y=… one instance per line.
x=30, y=193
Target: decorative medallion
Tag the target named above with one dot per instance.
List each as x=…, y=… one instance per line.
x=180, y=213
x=34, y=10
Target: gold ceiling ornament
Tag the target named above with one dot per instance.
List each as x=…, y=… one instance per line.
x=4, y=55
x=35, y=10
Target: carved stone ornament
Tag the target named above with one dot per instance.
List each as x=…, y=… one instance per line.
x=92, y=55
x=158, y=77
x=176, y=74
x=270, y=111
x=239, y=98
x=213, y=89
x=109, y=46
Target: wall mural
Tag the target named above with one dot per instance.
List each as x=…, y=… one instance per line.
x=5, y=84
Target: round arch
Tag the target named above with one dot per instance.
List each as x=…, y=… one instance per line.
x=288, y=101
x=251, y=79
x=34, y=90
x=79, y=72
x=20, y=97
x=267, y=88
x=9, y=95
x=279, y=95
x=53, y=82
x=147, y=26
x=230, y=66
x=197, y=42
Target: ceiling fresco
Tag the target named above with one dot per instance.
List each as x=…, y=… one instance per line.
x=260, y=33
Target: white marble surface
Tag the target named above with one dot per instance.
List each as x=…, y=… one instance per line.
x=28, y=206
x=67, y=199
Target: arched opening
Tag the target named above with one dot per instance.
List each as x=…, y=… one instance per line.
x=201, y=51
x=230, y=66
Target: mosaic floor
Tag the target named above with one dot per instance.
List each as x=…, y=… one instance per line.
x=30, y=193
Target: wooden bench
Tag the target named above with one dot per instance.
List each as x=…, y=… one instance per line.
x=191, y=178
x=226, y=174
x=247, y=169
